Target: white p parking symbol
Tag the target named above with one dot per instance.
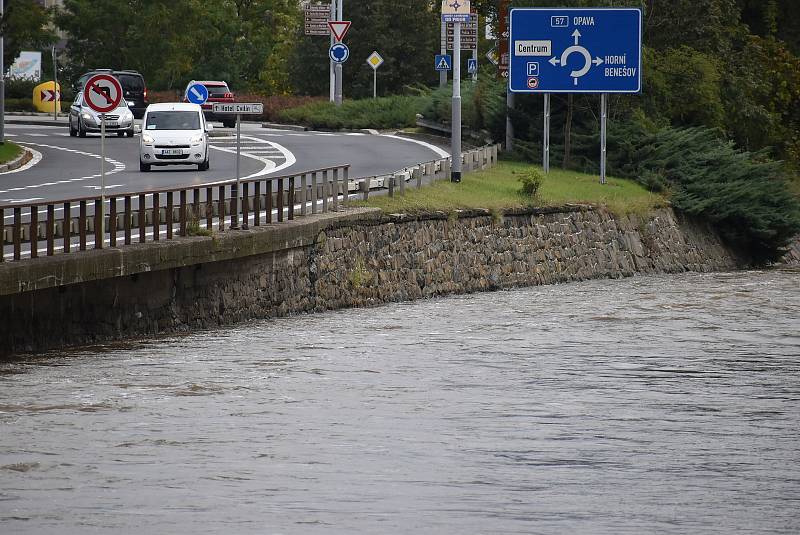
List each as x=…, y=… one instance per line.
x=533, y=68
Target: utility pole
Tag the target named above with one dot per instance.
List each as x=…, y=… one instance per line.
x=2, y=84
x=56, y=89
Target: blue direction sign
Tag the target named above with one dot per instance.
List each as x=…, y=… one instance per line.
x=575, y=50
x=197, y=94
x=443, y=62
x=339, y=53
x=472, y=66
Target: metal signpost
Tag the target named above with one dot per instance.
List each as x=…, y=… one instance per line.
x=469, y=38
x=576, y=51
x=2, y=84
x=238, y=109
x=457, y=12
x=103, y=94
x=375, y=60
x=56, y=89
x=339, y=53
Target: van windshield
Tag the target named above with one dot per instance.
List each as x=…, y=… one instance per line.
x=131, y=82
x=173, y=120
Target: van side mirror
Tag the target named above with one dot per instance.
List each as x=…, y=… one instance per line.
x=209, y=127
x=137, y=128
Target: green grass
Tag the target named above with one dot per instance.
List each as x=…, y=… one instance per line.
x=498, y=189
x=9, y=151
x=387, y=112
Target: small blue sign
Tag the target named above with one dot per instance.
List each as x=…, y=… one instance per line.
x=443, y=62
x=339, y=53
x=575, y=50
x=197, y=94
x=472, y=66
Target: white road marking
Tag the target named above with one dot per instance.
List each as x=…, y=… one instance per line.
x=442, y=153
x=269, y=165
x=36, y=135
x=11, y=135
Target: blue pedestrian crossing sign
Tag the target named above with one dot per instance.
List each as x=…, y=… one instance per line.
x=472, y=66
x=575, y=50
x=443, y=62
x=339, y=53
x=197, y=94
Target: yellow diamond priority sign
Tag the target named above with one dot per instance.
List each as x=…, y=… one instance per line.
x=375, y=60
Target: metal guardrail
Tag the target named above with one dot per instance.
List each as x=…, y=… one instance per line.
x=166, y=213
x=474, y=160
x=155, y=214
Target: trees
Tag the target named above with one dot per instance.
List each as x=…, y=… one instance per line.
x=236, y=40
x=25, y=26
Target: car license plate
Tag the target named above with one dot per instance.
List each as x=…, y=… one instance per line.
x=171, y=152
x=112, y=123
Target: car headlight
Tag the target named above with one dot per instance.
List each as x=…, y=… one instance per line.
x=147, y=139
x=196, y=139
x=88, y=117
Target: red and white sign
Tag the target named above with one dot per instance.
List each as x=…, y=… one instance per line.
x=533, y=83
x=339, y=28
x=50, y=95
x=102, y=93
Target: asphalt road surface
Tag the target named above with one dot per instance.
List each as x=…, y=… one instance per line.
x=67, y=167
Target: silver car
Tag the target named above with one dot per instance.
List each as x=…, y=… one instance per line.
x=83, y=119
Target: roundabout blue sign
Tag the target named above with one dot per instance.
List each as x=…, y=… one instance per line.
x=339, y=53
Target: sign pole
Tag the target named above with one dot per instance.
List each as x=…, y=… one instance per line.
x=338, y=67
x=443, y=74
x=2, y=84
x=238, y=157
x=55, y=84
x=332, y=64
x=509, y=125
x=546, y=151
x=374, y=83
x=603, y=135
x=100, y=238
x=456, y=118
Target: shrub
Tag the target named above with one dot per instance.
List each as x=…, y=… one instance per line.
x=21, y=104
x=531, y=182
x=387, y=112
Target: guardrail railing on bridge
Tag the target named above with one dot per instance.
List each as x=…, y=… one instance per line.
x=155, y=214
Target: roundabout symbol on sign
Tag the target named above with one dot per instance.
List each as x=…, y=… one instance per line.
x=339, y=53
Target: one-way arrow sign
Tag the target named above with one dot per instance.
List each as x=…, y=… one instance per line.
x=339, y=28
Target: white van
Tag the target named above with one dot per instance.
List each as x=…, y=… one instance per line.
x=174, y=134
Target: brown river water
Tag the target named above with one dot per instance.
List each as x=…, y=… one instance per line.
x=665, y=404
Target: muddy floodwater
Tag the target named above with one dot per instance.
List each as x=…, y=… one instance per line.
x=667, y=404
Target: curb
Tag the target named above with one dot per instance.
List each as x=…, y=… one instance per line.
x=18, y=162
x=293, y=127
x=32, y=122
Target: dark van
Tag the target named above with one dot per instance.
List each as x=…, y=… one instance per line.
x=134, y=90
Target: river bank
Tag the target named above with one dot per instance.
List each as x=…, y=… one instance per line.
x=331, y=261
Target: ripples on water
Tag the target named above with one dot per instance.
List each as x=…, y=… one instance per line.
x=647, y=405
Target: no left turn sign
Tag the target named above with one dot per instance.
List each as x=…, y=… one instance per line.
x=102, y=93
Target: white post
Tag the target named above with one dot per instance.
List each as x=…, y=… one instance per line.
x=456, y=116
x=374, y=83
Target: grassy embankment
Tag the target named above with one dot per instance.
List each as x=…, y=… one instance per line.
x=386, y=112
x=499, y=189
x=9, y=151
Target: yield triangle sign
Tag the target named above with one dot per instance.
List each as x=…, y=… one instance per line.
x=339, y=28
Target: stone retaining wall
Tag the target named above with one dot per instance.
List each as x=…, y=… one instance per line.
x=334, y=261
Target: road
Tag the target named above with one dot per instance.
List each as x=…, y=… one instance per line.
x=67, y=167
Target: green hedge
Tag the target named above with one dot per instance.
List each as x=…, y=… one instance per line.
x=20, y=104
x=387, y=112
